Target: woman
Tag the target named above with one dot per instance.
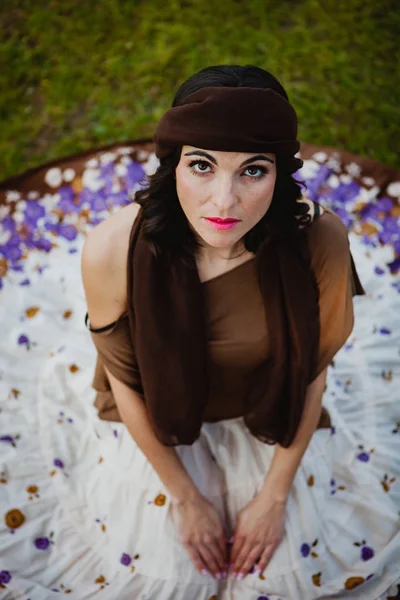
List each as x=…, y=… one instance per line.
x=214, y=341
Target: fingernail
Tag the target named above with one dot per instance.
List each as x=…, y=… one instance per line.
x=205, y=572
x=240, y=576
x=231, y=539
x=258, y=572
x=233, y=575
x=218, y=576
x=224, y=574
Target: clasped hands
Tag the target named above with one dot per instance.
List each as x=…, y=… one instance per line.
x=258, y=531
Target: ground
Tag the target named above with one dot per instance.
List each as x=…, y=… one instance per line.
x=80, y=74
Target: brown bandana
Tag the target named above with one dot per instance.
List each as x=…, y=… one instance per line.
x=242, y=119
x=168, y=323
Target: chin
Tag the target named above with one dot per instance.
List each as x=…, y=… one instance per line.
x=220, y=241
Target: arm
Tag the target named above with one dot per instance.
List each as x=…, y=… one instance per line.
x=285, y=461
x=104, y=278
x=164, y=459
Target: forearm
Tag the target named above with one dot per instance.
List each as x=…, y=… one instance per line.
x=286, y=461
x=164, y=459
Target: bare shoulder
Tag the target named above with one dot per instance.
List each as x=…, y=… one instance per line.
x=103, y=266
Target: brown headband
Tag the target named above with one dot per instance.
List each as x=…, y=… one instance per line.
x=241, y=119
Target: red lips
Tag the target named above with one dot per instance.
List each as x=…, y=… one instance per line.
x=222, y=220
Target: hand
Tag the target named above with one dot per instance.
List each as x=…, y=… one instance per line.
x=203, y=535
x=259, y=530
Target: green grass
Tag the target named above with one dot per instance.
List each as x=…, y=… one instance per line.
x=81, y=73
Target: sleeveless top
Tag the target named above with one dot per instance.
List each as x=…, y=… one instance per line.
x=236, y=327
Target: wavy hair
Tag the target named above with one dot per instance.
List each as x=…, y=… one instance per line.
x=165, y=225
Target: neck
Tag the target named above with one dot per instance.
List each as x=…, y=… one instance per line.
x=212, y=255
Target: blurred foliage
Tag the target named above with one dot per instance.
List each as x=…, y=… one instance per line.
x=81, y=73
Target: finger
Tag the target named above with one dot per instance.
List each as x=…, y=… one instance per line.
x=222, y=544
x=264, y=560
x=246, y=558
x=249, y=560
x=207, y=556
x=236, y=547
x=218, y=554
x=196, y=558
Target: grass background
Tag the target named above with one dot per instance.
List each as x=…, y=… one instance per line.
x=81, y=73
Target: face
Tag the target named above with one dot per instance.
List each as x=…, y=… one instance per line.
x=224, y=185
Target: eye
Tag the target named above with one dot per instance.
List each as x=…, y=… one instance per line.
x=198, y=162
x=262, y=169
x=257, y=168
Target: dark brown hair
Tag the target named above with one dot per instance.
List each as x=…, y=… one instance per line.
x=165, y=225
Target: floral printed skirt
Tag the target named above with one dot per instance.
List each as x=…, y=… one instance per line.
x=83, y=510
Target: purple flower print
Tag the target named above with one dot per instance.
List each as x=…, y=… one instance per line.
x=262, y=598
x=305, y=550
x=366, y=553
x=126, y=559
x=363, y=456
x=345, y=192
x=5, y=577
x=379, y=271
x=68, y=202
x=97, y=200
x=134, y=174
x=390, y=230
x=7, y=438
x=384, y=204
x=385, y=331
x=394, y=266
x=58, y=463
x=23, y=339
x=33, y=212
x=42, y=543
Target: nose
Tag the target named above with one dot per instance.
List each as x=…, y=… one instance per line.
x=224, y=195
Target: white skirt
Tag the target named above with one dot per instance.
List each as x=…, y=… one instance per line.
x=342, y=520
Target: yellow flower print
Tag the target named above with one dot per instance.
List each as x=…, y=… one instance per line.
x=33, y=490
x=387, y=375
x=73, y=368
x=14, y=518
x=67, y=314
x=3, y=267
x=102, y=581
x=160, y=500
x=316, y=579
x=311, y=481
x=353, y=582
x=32, y=311
x=386, y=482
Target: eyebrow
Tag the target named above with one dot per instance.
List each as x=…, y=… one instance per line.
x=213, y=160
